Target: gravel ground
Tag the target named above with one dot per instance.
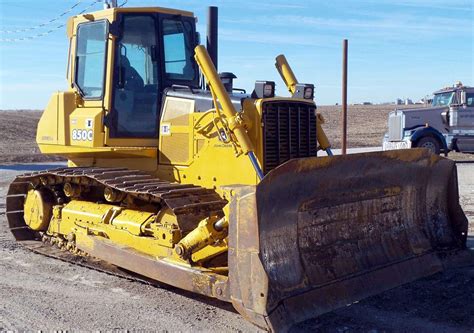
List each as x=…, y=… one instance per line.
x=39, y=293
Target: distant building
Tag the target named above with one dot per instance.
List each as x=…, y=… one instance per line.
x=367, y=103
x=399, y=101
x=408, y=101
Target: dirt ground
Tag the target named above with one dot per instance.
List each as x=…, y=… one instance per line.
x=17, y=137
x=39, y=293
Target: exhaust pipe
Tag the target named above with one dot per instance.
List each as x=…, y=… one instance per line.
x=212, y=31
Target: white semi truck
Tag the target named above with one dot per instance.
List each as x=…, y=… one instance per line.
x=447, y=125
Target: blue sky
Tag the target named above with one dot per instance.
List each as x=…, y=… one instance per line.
x=397, y=48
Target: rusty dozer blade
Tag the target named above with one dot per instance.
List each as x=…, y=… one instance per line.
x=320, y=233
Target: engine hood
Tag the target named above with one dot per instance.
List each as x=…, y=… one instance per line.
x=438, y=109
x=203, y=98
x=421, y=116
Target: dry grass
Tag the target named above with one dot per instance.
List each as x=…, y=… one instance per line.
x=366, y=124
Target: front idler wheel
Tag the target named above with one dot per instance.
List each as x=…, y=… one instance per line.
x=38, y=209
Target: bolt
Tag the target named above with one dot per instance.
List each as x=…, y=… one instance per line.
x=179, y=250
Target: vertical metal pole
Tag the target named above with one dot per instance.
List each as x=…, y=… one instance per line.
x=212, y=34
x=344, y=97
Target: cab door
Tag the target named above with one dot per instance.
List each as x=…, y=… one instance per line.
x=89, y=49
x=133, y=111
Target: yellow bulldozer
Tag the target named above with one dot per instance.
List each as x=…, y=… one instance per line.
x=175, y=175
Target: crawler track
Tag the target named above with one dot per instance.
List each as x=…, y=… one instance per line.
x=186, y=201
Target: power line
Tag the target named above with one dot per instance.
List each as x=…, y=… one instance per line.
x=42, y=24
x=42, y=34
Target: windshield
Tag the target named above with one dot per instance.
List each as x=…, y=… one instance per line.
x=443, y=99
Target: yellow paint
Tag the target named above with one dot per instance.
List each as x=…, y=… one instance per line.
x=210, y=251
x=190, y=150
x=128, y=227
x=37, y=211
x=320, y=134
x=53, y=127
x=288, y=76
x=235, y=121
x=283, y=67
x=203, y=235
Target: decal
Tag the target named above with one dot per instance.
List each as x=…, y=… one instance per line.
x=165, y=129
x=82, y=135
x=89, y=123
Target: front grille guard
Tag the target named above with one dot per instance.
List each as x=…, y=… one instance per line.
x=289, y=131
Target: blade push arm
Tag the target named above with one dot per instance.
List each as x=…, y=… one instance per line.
x=235, y=120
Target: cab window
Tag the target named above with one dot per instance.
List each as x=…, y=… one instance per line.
x=470, y=99
x=443, y=99
x=90, y=59
x=178, y=50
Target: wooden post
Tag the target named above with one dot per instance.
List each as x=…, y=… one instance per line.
x=344, y=97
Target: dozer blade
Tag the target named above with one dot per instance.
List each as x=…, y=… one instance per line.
x=320, y=233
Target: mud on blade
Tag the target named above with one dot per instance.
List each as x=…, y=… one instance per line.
x=317, y=234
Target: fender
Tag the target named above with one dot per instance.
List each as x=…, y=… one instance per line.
x=428, y=131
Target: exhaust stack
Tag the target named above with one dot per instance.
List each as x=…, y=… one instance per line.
x=212, y=31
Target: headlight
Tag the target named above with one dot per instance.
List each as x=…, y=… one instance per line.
x=308, y=92
x=303, y=90
x=264, y=89
x=268, y=90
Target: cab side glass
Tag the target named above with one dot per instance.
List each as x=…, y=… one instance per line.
x=178, y=50
x=90, y=59
x=470, y=99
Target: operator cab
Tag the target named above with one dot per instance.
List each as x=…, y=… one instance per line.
x=150, y=52
x=456, y=95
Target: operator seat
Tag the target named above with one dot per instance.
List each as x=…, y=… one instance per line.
x=131, y=78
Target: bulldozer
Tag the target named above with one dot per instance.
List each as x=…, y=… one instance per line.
x=176, y=176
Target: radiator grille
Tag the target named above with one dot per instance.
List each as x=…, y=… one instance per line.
x=289, y=131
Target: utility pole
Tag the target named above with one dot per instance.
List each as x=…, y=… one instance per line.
x=344, y=97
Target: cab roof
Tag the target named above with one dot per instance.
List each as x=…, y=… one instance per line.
x=453, y=88
x=111, y=13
